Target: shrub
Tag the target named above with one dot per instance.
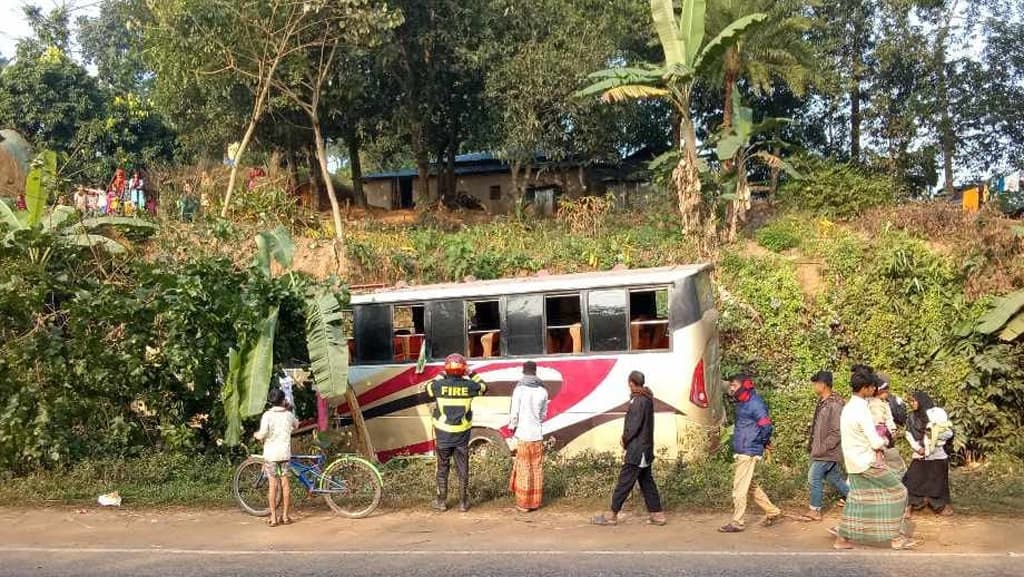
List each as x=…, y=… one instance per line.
x=778, y=236
x=837, y=190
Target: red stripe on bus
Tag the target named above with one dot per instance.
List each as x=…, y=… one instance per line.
x=414, y=449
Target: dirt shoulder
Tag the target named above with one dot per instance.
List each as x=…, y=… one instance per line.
x=484, y=529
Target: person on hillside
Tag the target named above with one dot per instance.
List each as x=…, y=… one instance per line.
x=751, y=439
x=81, y=199
x=825, y=444
x=885, y=424
x=453, y=392
x=638, y=442
x=875, y=505
x=927, y=479
x=137, y=192
x=528, y=410
x=20, y=203
x=275, y=432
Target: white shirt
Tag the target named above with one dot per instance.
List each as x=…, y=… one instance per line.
x=276, y=428
x=859, y=437
x=528, y=410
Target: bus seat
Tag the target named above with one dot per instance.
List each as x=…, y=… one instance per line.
x=401, y=348
x=415, y=343
x=576, y=332
x=634, y=337
x=487, y=343
x=351, y=349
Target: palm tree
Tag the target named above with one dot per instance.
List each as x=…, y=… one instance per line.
x=774, y=51
x=686, y=55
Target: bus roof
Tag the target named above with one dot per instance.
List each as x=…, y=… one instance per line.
x=532, y=284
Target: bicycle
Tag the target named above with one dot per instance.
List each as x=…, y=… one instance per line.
x=351, y=485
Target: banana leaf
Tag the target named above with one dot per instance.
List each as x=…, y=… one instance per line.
x=274, y=245
x=9, y=218
x=691, y=27
x=42, y=175
x=229, y=398
x=328, y=348
x=58, y=218
x=256, y=369
x=128, y=222
x=1003, y=309
x=1013, y=329
x=728, y=37
x=667, y=27
x=93, y=240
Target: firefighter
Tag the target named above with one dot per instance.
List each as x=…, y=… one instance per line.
x=453, y=392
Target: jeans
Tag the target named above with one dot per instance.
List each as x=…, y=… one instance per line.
x=445, y=456
x=821, y=471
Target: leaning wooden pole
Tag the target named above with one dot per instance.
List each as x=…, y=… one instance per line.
x=360, y=425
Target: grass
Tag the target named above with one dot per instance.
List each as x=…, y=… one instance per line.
x=585, y=481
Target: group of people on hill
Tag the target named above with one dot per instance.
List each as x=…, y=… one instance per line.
x=123, y=197
x=878, y=493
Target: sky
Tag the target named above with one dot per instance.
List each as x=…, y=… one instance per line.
x=13, y=25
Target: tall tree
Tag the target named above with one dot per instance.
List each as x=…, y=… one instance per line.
x=113, y=42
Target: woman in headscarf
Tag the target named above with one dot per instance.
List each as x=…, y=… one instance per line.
x=927, y=479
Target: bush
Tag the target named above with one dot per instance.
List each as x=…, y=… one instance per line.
x=778, y=236
x=837, y=190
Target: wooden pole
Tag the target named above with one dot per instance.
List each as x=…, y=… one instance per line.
x=360, y=425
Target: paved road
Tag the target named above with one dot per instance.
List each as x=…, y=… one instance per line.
x=57, y=562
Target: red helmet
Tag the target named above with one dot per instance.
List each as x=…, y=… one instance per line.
x=455, y=365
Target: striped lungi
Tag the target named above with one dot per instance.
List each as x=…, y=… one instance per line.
x=527, y=482
x=874, y=508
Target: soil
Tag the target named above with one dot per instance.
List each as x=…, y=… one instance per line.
x=481, y=529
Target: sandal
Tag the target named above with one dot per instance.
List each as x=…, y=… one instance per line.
x=287, y=521
x=771, y=520
x=903, y=544
x=842, y=544
x=273, y=522
x=604, y=521
x=658, y=521
x=730, y=528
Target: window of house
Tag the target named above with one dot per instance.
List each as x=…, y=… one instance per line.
x=495, y=192
x=372, y=333
x=483, y=334
x=446, y=321
x=606, y=320
x=648, y=319
x=525, y=324
x=564, y=324
x=408, y=332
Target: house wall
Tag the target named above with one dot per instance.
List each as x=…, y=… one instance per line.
x=378, y=192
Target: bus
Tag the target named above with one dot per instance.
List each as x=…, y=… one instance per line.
x=586, y=332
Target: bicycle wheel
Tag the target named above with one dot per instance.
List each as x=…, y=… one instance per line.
x=352, y=487
x=250, y=487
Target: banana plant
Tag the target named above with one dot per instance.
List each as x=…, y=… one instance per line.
x=736, y=146
x=1004, y=319
x=250, y=367
x=687, y=55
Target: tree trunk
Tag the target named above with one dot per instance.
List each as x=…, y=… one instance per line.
x=732, y=73
x=946, y=134
x=358, y=194
x=776, y=151
x=257, y=112
x=856, y=70
x=686, y=177
x=321, y=155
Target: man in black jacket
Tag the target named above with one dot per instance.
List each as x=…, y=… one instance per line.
x=825, y=444
x=638, y=441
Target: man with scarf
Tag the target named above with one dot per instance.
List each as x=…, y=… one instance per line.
x=526, y=414
x=927, y=479
x=638, y=441
x=751, y=438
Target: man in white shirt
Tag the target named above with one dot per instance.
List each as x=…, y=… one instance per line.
x=875, y=505
x=527, y=413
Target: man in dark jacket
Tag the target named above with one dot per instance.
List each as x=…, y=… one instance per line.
x=751, y=437
x=638, y=441
x=825, y=444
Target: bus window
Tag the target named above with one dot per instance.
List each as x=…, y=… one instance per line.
x=447, y=328
x=484, y=333
x=648, y=325
x=525, y=320
x=606, y=319
x=564, y=330
x=373, y=333
x=409, y=330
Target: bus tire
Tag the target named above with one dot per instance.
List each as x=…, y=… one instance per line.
x=488, y=441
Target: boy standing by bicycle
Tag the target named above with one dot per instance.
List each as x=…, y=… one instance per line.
x=276, y=428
